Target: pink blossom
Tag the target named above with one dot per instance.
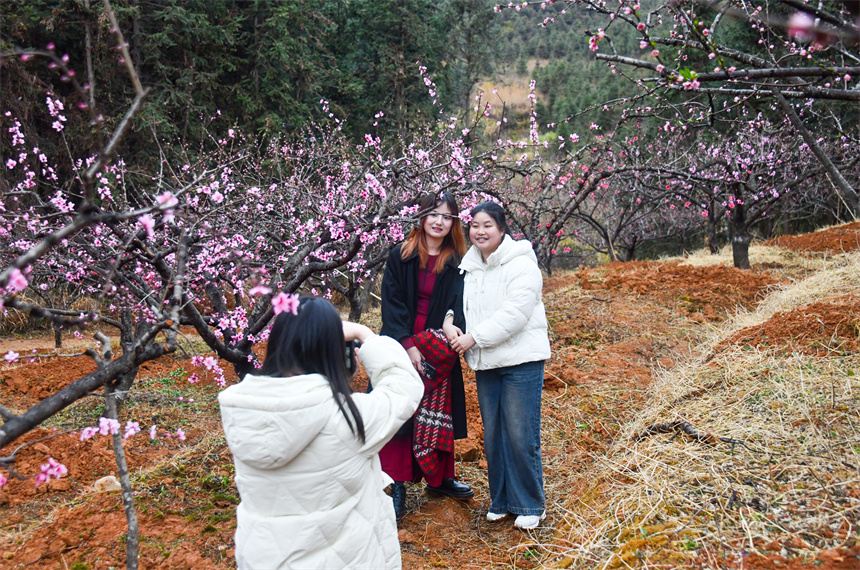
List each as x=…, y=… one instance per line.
x=108, y=426
x=801, y=26
x=2, y=480
x=640, y=26
x=167, y=199
x=260, y=290
x=655, y=52
x=148, y=224
x=284, y=302
x=217, y=197
x=660, y=68
x=88, y=432
x=17, y=281
x=131, y=428
x=10, y=164
x=210, y=362
x=152, y=432
x=11, y=356
x=52, y=468
x=643, y=44
x=180, y=435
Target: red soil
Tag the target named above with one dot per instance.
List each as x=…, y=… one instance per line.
x=611, y=327
x=838, y=239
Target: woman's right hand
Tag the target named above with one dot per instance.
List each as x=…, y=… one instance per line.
x=355, y=331
x=415, y=357
x=451, y=332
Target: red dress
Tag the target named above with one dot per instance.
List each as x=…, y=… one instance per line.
x=396, y=456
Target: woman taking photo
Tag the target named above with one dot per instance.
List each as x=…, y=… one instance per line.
x=506, y=344
x=305, y=448
x=420, y=286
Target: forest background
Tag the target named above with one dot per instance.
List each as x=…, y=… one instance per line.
x=274, y=68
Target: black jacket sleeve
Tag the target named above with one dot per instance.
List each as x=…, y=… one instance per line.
x=456, y=302
x=395, y=314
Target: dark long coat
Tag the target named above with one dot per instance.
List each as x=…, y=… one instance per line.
x=400, y=306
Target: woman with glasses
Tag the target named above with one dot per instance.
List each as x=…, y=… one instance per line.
x=420, y=287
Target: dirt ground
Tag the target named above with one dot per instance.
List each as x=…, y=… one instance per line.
x=611, y=328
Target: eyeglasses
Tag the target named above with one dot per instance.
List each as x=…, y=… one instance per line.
x=435, y=216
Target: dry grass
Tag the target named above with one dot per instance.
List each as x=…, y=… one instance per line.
x=773, y=471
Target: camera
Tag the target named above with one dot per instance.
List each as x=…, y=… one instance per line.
x=351, y=359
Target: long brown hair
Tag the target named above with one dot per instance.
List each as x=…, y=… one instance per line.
x=453, y=245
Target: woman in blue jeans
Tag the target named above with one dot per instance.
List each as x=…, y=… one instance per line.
x=506, y=344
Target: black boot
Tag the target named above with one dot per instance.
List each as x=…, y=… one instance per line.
x=398, y=497
x=454, y=489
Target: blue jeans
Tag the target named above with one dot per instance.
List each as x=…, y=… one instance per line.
x=510, y=408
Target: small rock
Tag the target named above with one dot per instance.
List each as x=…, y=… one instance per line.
x=107, y=484
x=466, y=450
x=482, y=464
x=697, y=317
x=405, y=536
x=42, y=448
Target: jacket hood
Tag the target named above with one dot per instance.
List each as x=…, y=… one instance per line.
x=507, y=251
x=266, y=428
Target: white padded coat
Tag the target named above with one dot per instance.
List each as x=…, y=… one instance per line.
x=503, y=307
x=311, y=493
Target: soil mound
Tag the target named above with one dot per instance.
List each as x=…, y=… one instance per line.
x=826, y=328
x=838, y=239
x=709, y=290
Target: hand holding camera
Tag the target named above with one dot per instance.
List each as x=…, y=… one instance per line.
x=354, y=334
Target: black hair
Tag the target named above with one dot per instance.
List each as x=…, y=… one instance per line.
x=494, y=211
x=431, y=200
x=312, y=342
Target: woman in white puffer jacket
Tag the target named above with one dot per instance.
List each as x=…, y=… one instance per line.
x=305, y=448
x=506, y=344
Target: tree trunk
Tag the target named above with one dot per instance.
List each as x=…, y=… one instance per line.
x=131, y=544
x=58, y=335
x=711, y=233
x=613, y=255
x=91, y=76
x=848, y=193
x=740, y=238
x=355, y=300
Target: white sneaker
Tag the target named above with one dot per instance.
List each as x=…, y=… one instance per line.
x=495, y=517
x=526, y=522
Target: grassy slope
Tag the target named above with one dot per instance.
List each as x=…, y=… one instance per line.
x=766, y=474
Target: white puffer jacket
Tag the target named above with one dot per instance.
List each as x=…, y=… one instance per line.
x=503, y=307
x=312, y=493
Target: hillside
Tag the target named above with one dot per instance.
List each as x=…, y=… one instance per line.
x=693, y=414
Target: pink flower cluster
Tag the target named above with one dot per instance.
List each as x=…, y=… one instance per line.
x=283, y=302
x=52, y=468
